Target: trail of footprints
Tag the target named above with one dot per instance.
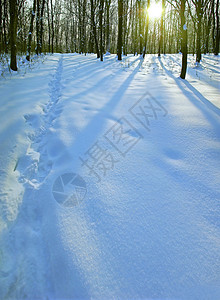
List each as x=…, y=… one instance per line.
x=25, y=239
x=35, y=165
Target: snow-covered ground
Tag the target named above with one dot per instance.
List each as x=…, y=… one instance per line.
x=110, y=179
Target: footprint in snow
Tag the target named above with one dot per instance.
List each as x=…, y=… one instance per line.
x=173, y=154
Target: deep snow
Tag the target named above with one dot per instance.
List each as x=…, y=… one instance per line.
x=142, y=220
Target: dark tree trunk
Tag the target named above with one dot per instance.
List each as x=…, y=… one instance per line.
x=94, y=29
x=120, y=20
x=48, y=22
x=31, y=31
x=13, y=34
x=108, y=3
x=140, y=25
x=4, y=25
x=80, y=26
x=199, y=13
x=52, y=25
x=125, y=27
x=101, y=7
x=1, y=35
x=183, y=39
x=216, y=50
x=41, y=25
x=38, y=27
x=208, y=27
x=84, y=27
x=91, y=38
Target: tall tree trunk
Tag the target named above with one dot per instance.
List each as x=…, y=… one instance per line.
x=13, y=34
x=48, y=23
x=199, y=13
x=94, y=28
x=101, y=7
x=91, y=38
x=41, y=25
x=108, y=3
x=31, y=31
x=4, y=25
x=124, y=26
x=216, y=50
x=161, y=41
x=183, y=39
x=120, y=20
x=38, y=27
x=1, y=35
x=146, y=30
x=140, y=25
x=52, y=25
x=136, y=28
x=208, y=27
x=80, y=26
x=84, y=27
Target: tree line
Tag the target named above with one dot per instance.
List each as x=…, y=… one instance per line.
x=114, y=26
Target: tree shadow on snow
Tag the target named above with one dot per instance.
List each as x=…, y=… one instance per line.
x=197, y=99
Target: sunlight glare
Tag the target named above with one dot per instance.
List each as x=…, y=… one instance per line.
x=155, y=11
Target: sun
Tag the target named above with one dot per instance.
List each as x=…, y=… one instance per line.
x=155, y=11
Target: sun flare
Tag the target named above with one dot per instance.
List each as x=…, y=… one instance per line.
x=155, y=11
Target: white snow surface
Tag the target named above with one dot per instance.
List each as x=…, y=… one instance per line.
x=149, y=224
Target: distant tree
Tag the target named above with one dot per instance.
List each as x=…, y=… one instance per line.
x=135, y=24
x=84, y=27
x=30, y=33
x=13, y=34
x=121, y=26
x=4, y=24
x=208, y=24
x=120, y=21
x=41, y=25
x=1, y=31
x=94, y=28
x=146, y=30
x=183, y=38
x=108, y=3
x=199, y=14
x=140, y=26
x=216, y=44
x=161, y=41
x=101, y=7
x=52, y=25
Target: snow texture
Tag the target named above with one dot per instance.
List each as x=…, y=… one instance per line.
x=110, y=179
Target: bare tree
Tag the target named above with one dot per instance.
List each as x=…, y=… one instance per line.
x=146, y=30
x=13, y=34
x=94, y=28
x=183, y=38
x=101, y=7
x=216, y=45
x=30, y=33
x=120, y=21
x=161, y=41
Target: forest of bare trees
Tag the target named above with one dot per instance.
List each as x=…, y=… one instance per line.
x=100, y=26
